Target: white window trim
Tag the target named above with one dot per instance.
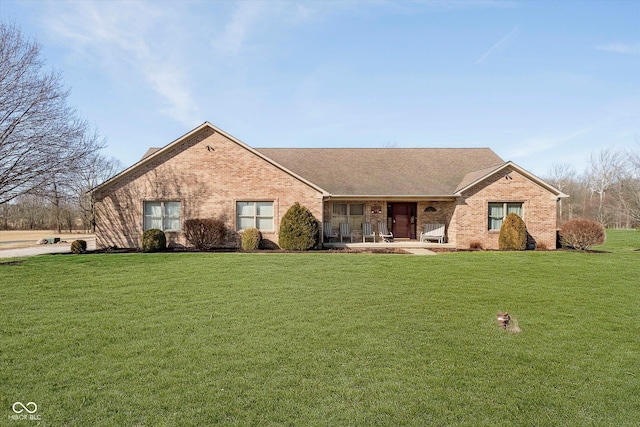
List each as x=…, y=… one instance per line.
x=162, y=215
x=504, y=212
x=255, y=216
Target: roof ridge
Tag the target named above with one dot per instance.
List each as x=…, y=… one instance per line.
x=372, y=148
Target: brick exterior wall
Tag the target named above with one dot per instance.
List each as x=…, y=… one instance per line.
x=207, y=174
x=471, y=215
x=466, y=219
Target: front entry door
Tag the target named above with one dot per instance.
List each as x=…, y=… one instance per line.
x=403, y=216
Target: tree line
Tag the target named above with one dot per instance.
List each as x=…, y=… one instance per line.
x=607, y=191
x=49, y=155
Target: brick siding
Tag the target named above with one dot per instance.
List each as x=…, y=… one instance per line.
x=471, y=216
x=207, y=174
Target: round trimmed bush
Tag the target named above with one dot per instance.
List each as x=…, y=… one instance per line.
x=154, y=240
x=298, y=229
x=582, y=234
x=78, y=246
x=513, y=234
x=251, y=238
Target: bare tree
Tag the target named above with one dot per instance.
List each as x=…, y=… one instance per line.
x=563, y=176
x=93, y=170
x=605, y=169
x=40, y=134
x=631, y=185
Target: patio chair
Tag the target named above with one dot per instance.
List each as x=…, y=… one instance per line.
x=329, y=233
x=345, y=231
x=384, y=233
x=432, y=232
x=367, y=232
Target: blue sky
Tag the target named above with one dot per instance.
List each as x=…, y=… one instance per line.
x=540, y=82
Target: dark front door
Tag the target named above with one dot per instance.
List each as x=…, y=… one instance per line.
x=403, y=216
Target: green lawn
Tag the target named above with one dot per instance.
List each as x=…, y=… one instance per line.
x=323, y=339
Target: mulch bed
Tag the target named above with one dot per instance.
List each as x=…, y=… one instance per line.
x=261, y=251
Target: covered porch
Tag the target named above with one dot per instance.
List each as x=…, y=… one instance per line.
x=404, y=217
x=396, y=244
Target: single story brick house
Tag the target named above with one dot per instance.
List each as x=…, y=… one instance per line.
x=209, y=173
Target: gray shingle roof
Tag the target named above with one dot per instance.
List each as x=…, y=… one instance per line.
x=386, y=171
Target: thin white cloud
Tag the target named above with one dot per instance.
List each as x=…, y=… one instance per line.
x=540, y=144
x=502, y=44
x=124, y=37
x=246, y=17
x=626, y=49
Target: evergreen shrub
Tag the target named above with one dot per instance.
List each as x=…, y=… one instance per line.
x=78, y=246
x=298, y=229
x=513, y=234
x=251, y=238
x=154, y=240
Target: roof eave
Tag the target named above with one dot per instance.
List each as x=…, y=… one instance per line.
x=524, y=172
x=149, y=157
x=393, y=197
x=184, y=137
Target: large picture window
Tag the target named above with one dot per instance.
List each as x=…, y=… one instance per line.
x=498, y=212
x=254, y=214
x=352, y=213
x=162, y=215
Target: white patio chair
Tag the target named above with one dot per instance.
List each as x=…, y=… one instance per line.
x=345, y=231
x=384, y=233
x=367, y=232
x=328, y=231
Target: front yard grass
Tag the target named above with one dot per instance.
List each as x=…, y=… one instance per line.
x=323, y=339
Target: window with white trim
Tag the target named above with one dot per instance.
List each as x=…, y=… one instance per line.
x=352, y=213
x=254, y=215
x=499, y=211
x=164, y=215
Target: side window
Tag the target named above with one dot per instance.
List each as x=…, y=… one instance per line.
x=498, y=212
x=163, y=215
x=255, y=214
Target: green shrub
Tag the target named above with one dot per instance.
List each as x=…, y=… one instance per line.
x=582, y=234
x=251, y=238
x=513, y=234
x=298, y=229
x=205, y=233
x=78, y=246
x=154, y=240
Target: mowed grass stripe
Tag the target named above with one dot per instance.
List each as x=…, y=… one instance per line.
x=322, y=339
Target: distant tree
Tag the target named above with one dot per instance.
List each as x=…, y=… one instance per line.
x=86, y=175
x=40, y=134
x=605, y=169
x=631, y=185
x=563, y=176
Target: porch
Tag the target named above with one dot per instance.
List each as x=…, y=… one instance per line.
x=405, y=217
x=396, y=244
